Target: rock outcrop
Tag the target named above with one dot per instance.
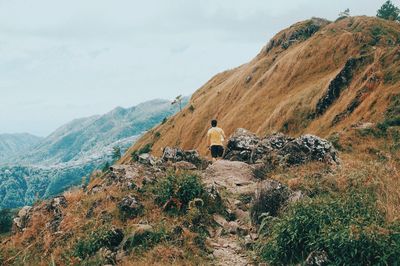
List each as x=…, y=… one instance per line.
x=279, y=149
x=175, y=155
x=21, y=221
x=129, y=207
x=54, y=207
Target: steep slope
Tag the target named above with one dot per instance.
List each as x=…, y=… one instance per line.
x=314, y=77
x=13, y=144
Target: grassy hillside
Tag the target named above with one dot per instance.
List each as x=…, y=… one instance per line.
x=314, y=77
x=337, y=80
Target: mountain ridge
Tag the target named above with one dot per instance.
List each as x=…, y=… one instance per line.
x=351, y=63
x=74, y=150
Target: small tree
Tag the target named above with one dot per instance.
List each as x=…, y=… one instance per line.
x=106, y=167
x=6, y=218
x=345, y=14
x=388, y=11
x=116, y=155
x=178, y=100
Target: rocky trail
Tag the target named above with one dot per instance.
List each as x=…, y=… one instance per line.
x=235, y=181
x=239, y=185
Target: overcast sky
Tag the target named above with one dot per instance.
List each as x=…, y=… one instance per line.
x=61, y=60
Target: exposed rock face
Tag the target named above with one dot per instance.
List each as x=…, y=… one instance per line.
x=23, y=217
x=309, y=148
x=129, y=207
x=55, y=207
x=278, y=149
x=147, y=159
x=176, y=155
x=300, y=33
x=339, y=83
x=241, y=145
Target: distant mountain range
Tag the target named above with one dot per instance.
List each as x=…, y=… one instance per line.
x=13, y=144
x=33, y=167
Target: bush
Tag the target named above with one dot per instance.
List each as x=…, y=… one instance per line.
x=157, y=135
x=270, y=198
x=102, y=237
x=145, y=149
x=178, y=191
x=164, y=121
x=6, y=220
x=145, y=240
x=349, y=229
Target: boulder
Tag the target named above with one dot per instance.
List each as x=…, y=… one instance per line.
x=147, y=159
x=241, y=145
x=117, y=171
x=55, y=207
x=278, y=149
x=23, y=217
x=177, y=155
x=57, y=203
x=129, y=207
x=308, y=148
x=317, y=258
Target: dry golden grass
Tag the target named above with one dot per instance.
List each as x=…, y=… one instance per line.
x=286, y=85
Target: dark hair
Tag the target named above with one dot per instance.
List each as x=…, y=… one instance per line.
x=214, y=123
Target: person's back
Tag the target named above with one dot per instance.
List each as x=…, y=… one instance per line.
x=215, y=139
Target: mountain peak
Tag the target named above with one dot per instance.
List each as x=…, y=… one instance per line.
x=314, y=77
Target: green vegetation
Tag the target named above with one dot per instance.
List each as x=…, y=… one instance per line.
x=106, y=167
x=99, y=238
x=6, y=218
x=116, y=154
x=157, y=135
x=391, y=119
x=191, y=108
x=145, y=149
x=176, y=191
x=164, y=120
x=388, y=11
x=146, y=240
x=349, y=228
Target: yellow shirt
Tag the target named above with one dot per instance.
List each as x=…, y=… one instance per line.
x=215, y=136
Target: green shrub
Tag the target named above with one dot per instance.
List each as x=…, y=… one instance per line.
x=106, y=167
x=6, y=219
x=349, y=228
x=145, y=149
x=145, y=240
x=157, y=135
x=164, y=121
x=102, y=237
x=191, y=108
x=179, y=190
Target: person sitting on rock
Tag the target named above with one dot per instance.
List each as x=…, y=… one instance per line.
x=215, y=139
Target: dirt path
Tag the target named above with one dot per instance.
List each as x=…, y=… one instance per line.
x=235, y=181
